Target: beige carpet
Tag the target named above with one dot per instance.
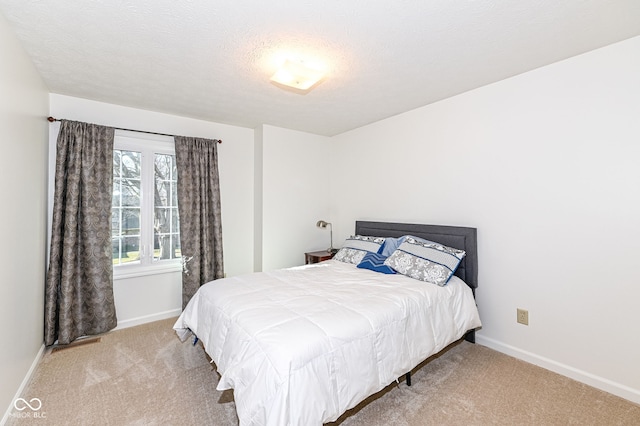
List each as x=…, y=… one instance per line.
x=145, y=376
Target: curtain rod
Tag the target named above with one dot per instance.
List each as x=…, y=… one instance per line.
x=52, y=119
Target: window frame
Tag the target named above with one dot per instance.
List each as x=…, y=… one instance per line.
x=148, y=145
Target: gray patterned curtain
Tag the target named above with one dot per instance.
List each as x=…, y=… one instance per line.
x=79, y=286
x=200, y=214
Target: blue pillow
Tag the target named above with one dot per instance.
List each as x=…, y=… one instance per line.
x=375, y=262
x=390, y=245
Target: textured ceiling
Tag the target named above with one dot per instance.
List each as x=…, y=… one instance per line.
x=212, y=60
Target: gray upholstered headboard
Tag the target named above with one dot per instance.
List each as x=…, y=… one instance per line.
x=453, y=236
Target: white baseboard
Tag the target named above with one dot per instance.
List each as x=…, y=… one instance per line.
x=598, y=382
x=24, y=384
x=148, y=318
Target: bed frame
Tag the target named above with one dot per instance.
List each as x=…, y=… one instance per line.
x=462, y=238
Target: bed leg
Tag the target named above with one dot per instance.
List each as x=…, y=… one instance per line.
x=470, y=336
x=408, y=378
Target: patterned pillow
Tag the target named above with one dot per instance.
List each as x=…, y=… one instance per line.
x=390, y=245
x=356, y=247
x=425, y=260
x=375, y=262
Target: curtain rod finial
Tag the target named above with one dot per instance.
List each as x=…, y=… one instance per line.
x=51, y=119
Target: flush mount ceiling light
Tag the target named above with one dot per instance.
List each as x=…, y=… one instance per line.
x=297, y=76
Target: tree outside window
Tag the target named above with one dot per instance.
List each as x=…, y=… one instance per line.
x=145, y=220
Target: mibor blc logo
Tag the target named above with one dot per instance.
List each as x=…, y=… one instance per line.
x=30, y=408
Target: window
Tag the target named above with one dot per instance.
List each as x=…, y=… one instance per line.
x=144, y=222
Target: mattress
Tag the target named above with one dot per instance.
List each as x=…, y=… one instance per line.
x=300, y=346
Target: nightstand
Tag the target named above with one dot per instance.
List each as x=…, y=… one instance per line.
x=317, y=256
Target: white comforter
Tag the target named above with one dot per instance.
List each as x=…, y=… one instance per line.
x=301, y=346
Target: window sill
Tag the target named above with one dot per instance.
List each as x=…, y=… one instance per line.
x=123, y=272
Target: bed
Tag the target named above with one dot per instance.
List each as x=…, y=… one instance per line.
x=300, y=346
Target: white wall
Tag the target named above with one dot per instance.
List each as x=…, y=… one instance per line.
x=546, y=166
x=295, y=195
x=143, y=299
x=257, y=197
x=23, y=171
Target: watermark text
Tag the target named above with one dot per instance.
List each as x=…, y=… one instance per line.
x=28, y=409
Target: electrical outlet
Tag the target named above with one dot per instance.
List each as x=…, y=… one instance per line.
x=523, y=316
